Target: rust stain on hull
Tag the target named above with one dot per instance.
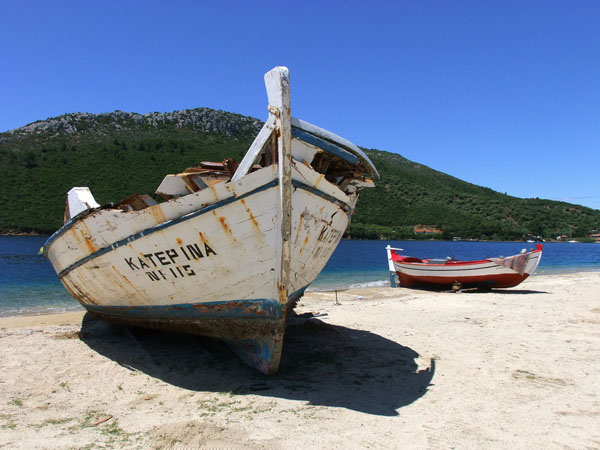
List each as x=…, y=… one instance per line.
x=73, y=232
x=304, y=244
x=240, y=307
x=300, y=223
x=319, y=180
x=88, y=244
x=85, y=235
x=129, y=283
x=214, y=192
x=225, y=226
x=158, y=214
x=252, y=219
x=78, y=294
x=204, y=239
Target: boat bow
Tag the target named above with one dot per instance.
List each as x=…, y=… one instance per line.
x=231, y=249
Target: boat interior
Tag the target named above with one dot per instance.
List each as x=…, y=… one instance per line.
x=346, y=170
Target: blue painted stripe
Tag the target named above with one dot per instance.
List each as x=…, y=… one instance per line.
x=324, y=145
x=164, y=225
x=168, y=223
x=329, y=198
x=263, y=308
x=255, y=308
x=296, y=132
x=194, y=214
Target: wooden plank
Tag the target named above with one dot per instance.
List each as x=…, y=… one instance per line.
x=329, y=147
x=277, y=82
x=332, y=137
x=255, y=149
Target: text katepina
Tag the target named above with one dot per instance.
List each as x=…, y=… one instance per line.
x=174, y=262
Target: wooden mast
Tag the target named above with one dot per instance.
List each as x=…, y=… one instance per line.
x=277, y=82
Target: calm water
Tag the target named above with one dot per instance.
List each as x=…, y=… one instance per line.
x=28, y=284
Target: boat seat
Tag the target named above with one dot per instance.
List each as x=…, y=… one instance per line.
x=79, y=199
x=136, y=202
x=410, y=259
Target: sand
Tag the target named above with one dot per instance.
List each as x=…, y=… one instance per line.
x=384, y=368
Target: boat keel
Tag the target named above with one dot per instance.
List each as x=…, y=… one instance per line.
x=262, y=353
x=252, y=330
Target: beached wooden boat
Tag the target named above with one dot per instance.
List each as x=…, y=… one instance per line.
x=234, y=246
x=502, y=272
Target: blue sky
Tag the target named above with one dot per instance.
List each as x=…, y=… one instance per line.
x=503, y=94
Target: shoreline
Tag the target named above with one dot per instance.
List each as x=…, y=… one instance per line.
x=315, y=291
x=548, y=241
x=41, y=320
x=24, y=233
x=381, y=366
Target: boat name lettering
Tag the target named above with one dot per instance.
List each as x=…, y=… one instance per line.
x=329, y=235
x=325, y=239
x=173, y=272
x=174, y=257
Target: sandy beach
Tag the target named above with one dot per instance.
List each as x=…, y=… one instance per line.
x=383, y=368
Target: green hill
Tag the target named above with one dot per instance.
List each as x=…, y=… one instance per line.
x=120, y=153
x=411, y=194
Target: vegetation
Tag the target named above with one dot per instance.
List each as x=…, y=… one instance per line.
x=118, y=154
x=115, y=154
x=410, y=194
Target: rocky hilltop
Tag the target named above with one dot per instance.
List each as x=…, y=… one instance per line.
x=205, y=120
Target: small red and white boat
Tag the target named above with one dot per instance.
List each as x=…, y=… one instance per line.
x=502, y=272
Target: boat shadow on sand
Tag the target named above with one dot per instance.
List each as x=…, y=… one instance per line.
x=323, y=364
x=503, y=291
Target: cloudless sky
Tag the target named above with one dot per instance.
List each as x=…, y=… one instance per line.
x=503, y=94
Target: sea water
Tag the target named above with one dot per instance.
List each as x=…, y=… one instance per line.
x=29, y=285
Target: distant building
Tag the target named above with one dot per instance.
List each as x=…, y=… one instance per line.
x=595, y=236
x=423, y=229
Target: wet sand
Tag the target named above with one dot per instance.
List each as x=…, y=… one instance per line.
x=383, y=368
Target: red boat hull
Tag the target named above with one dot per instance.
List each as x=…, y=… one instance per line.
x=466, y=282
x=444, y=274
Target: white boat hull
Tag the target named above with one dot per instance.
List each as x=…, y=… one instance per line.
x=207, y=271
x=227, y=261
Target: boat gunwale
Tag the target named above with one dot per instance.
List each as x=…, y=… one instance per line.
x=442, y=268
x=208, y=208
x=451, y=263
x=275, y=309
x=340, y=152
x=333, y=138
x=534, y=254
x=326, y=146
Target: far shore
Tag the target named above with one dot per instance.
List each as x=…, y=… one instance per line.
x=585, y=240
x=23, y=233
x=375, y=368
